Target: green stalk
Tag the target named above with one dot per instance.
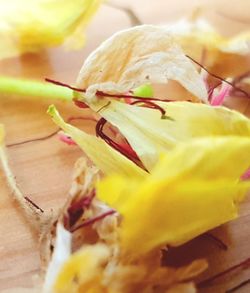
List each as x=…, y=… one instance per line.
x=33, y=89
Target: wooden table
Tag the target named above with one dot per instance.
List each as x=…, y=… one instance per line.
x=43, y=169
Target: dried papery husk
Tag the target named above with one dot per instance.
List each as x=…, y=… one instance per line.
x=91, y=265
x=85, y=179
x=199, y=39
x=116, y=273
x=136, y=56
x=82, y=180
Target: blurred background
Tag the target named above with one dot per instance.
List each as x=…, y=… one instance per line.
x=228, y=17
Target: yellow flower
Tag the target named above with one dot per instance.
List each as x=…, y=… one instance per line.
x=187, y=120
x=28, y=26
x=149, y=135
x=195, y=155
x=152, y=57
x=193, y=188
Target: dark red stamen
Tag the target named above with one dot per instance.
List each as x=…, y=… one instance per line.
x=72, y=218
x=93, y=220
x=220, y=78
x=34, y=204
x=242, y=265
x=84, y=202
x=124, y=96
x=126, y=151
x=65, y=85
x=217, y=241
x=80, y=104
x=76, y=209
x=151, y=105
x=102, y=94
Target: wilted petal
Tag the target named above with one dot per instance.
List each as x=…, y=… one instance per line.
x=193, y=189
x=137, y=56
x=188, y=120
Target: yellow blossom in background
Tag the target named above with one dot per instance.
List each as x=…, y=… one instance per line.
x=28, y=26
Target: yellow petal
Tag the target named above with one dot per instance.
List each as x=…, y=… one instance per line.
x=85, y=266
x=205, y=159
x=180, y=213
x=195, y=120
x=106, y=158
x=28, y=26
x=194, y=188
x=188, y=120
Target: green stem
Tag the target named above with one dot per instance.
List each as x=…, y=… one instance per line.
x=33, y=89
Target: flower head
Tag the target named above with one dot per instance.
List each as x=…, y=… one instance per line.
x=192, y=189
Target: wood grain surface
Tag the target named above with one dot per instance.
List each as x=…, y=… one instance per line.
x=43, y=169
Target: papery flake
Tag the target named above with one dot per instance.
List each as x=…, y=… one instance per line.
x=138, y=56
